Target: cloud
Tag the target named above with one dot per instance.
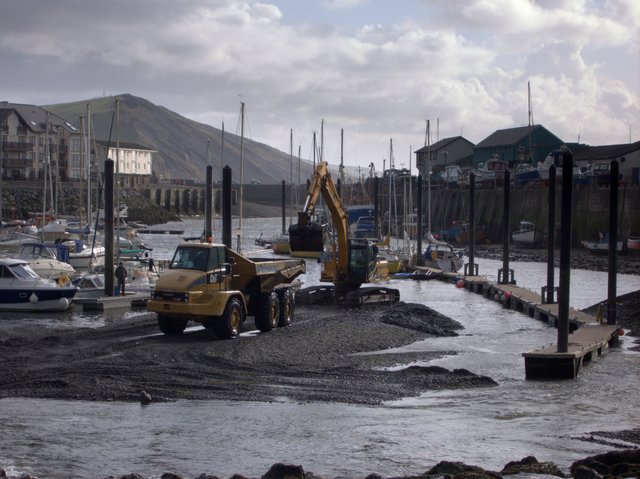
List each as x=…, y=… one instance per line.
x=466, y=63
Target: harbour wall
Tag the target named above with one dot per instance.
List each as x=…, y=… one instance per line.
x=590, y=205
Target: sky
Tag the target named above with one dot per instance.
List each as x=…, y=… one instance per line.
x=377, y=70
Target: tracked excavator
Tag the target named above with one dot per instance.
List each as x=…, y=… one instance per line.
x=348, y=263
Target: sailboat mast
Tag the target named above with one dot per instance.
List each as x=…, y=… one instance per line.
x=298, y=182
x=117, y=228
x=428, y=141
x=531, y=156
x=88, y=164
x=290, y=174
x=81, y=173
x=241, y=172
x=314, y=153
x=342, y=158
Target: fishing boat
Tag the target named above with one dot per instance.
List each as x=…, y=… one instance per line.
x=21, y=289
x=527, y=235
x=601, y=245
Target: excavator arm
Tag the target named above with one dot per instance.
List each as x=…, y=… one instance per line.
x=355, y=260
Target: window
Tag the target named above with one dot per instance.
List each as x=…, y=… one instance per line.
x=75, y=144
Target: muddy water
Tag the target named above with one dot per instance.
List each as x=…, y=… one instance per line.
x=488, y=427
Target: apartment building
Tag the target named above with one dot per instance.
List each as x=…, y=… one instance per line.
x=32, y=138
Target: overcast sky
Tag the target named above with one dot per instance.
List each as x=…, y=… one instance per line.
x=376, y=68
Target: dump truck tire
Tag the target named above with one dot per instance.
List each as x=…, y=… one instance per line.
x=171, y=326
x=267, y=314
x=287, y=303
x=228, y=325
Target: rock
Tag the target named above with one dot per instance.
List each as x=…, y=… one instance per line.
x=132, y=476
x=145, y=398
x=207, y=476
x=627, y=462
x=284, y=471
x=584, y=472
x=459, y=470
x=531, y=465
x=170, y=475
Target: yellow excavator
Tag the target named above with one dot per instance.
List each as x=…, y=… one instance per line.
x=348, y=263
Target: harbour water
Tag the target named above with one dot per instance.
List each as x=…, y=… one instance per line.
x=487, y=427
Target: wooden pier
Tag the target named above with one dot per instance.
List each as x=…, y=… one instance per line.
x=103, y=303
x=588, y=338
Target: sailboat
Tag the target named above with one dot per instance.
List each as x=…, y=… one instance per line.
x=438, y=254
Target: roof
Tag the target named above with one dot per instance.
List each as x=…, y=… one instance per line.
x=606, y=151
x=36, y=118
x=509, y=136
x=442, y=144
x=124, y=144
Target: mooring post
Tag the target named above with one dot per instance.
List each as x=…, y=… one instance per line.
x=551, y=237
x=208, y=206
x=471, y=268
x=284, y=208
x=505, y=275
x=419, y=259
x=565, y=252
x=376, y=208
x=226, y=206
x=613, y=243
x=108, y=227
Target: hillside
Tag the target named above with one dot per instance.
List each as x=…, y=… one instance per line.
x=181, y=143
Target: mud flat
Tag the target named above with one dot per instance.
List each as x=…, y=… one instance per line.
x=320, y=357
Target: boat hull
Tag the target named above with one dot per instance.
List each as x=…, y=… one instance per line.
x=527, y=238
x=36, y=299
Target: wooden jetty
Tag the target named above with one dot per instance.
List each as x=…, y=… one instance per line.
x=103, y=303
x=588, y=338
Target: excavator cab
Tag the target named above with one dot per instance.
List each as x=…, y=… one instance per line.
x=362, y=261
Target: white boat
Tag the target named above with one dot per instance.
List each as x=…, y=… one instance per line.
x=46, y=259
x=601, y=246
x=492, y=172
x=442, y=255
x=92, y=285
x=82, y=255
x=21, y=289
x=527, y=235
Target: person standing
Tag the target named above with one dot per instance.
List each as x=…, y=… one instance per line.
x=121, y=276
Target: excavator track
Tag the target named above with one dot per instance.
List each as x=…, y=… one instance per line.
x=359, y=297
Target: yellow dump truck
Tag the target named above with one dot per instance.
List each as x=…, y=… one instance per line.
x=217, y=287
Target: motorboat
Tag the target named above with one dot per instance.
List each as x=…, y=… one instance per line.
x=83, y=256
x=527, y=235
x=48, y=260
x=21, y=289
